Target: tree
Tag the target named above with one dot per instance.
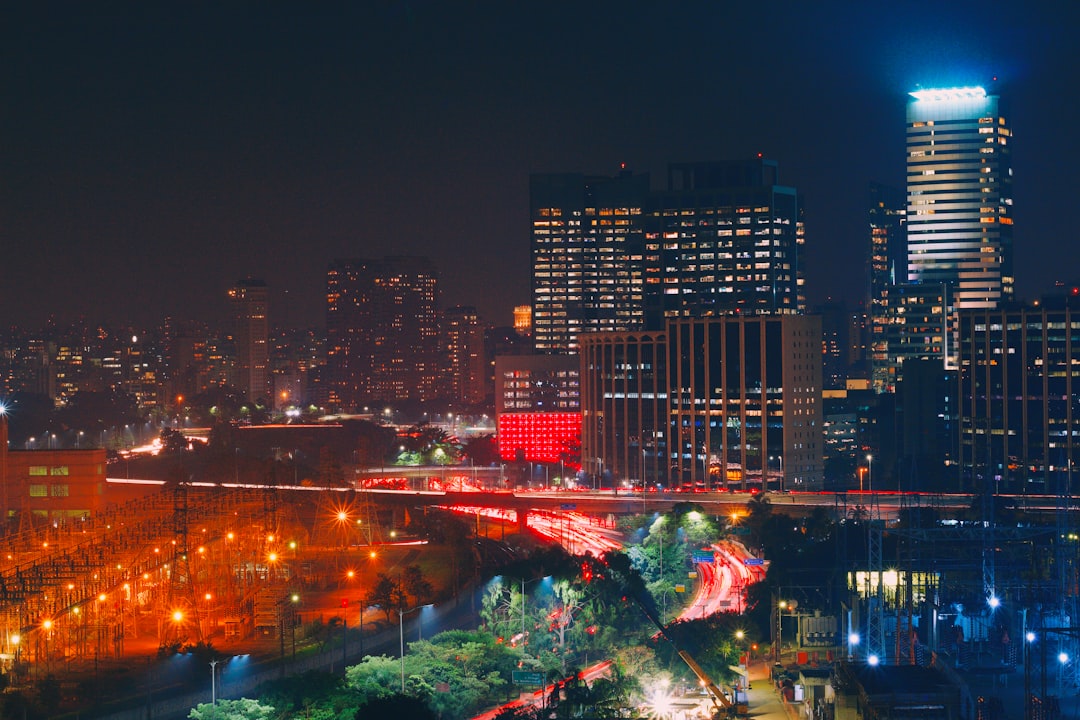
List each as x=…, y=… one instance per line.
x=242, y=709
x=482, y=450
x=415, y=584
x=388, y=596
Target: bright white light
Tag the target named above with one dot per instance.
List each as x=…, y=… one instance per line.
x=660, y=704
x=853, y=639
x=1063, y=658
x=948, y=94
x=1030, y=636
x=873, y=660
x=993, y=602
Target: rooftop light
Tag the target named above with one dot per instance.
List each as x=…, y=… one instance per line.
x=948, y=94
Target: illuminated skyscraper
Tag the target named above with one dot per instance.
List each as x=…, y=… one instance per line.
x=251, y=332
x=382, y=329
x=463, y=348
x=587, y=273
x=959, y=187
x=888, y=267
x=724, y=238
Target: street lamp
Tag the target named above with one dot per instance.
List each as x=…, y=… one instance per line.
x=870, y=473
x=401, y=633
x=1029, y=637
x=213, y=683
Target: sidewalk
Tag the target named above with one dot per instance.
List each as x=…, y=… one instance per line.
x=763, y=700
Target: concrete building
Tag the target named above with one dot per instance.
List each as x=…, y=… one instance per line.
x=724, y=237
x=744, y=397
x=959, y=186
x=587, y=270
x=1020, y=397
x=463, y=353
x=48, y=484
x=251, y=336
x=538, y=409
x=382, y=328
x=624, y=405
x=888, y=266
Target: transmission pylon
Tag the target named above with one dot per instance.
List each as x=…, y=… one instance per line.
x=875, y=596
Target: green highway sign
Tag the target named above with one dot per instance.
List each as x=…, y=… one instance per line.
x=522, y=677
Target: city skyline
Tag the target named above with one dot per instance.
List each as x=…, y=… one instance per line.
x=160, y=154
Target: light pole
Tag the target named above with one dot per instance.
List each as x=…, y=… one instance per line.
x=213, y=682
x=1029, y=637
x=401, y=633
x=870, y=473
x=778, y=650
x=705, y=467
x=643, y=483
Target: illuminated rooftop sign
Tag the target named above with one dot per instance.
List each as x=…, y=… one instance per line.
x=948, y=94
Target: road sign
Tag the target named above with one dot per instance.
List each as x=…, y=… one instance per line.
x=703, y=557
x=522, y=677
x=753, y=561
x=568, y=506
x=680, y=588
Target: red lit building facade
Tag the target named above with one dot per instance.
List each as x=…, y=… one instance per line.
x=537, y=408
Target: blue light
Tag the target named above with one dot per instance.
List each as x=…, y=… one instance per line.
x=873, y=661
x=994, y=602
x=948, y=94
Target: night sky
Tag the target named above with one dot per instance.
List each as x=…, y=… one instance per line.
x=153, y=153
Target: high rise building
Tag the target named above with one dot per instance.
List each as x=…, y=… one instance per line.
x=918, y=326
x=624, y=406
x=463, y=348
x=523, y=319
x=587, y=240
x=745, y=401
x=1020, y=397
x=888, y=267
x=382, y=330
x=251, y=334
x=959, y=187
x=723, y=238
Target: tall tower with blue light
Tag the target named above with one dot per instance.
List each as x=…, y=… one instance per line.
x=960, y=195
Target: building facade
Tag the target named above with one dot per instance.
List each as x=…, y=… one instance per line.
x=463, y=351
x=251, y=336
x=382, y=328
x=1020, y=397
x=918, y=326
x=960, y=195
x=538, y=409
x=624, y=405
x=587, y=272
x=722, y=238
x=888, y=266
x=745, y=402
